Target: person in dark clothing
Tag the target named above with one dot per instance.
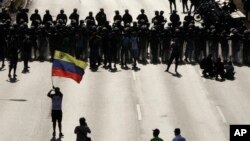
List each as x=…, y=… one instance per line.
x=4, y=15
x=156, y=137
x=101, y=17
x=127, y=18
x=229, y=74
x=126, y=45
x=134, y=48
x=184, y=5
x=82, y=131
x=207, y=65
x=90, y=18
x=174, y=55
x=171, y=3
x=162, y=20
x=3, y=43
x=219, y=69
x=175, y=18
x=94, y=44
x=47, y=17
x=74, y=16
x=62, y=17
x=56, y=112
x=35, y=19
x=22, y=15
x=26, y=51
x=13, y=51
x=142, y=18
x=246, y=47
x=117, y=16
x=33, y=39
x=52, y=37
x=156, y=19
x=154, y=45
x=114, y=47
x=236, y=44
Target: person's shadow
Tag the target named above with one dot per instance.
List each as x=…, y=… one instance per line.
x=177, y=74
x=55, y=139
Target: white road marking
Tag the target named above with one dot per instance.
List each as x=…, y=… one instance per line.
x=134, y=77
x=138, y=108
x=221, y=114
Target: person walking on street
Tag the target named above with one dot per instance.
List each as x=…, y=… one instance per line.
x=178, y=137
x=174, y=55
x=156, y=137
x=82, y=130
x=56, y=113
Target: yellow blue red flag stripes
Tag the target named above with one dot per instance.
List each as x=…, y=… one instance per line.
x=65, y=65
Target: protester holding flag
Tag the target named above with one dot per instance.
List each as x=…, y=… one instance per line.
x=56, y=113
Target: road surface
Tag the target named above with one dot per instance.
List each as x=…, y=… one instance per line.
x=123, y=105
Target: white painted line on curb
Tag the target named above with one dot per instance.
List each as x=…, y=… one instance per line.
x=221, y=114
x=134, y=77
x=138, y=108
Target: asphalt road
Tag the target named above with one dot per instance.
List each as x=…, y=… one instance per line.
x=123, y=105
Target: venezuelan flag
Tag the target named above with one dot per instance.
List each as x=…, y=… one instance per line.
x=65, y=65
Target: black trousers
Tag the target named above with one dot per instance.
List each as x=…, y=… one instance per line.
x=172, y=57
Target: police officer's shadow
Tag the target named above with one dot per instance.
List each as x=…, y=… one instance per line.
x=12, y=80
x=55, y=139
x=177, y=74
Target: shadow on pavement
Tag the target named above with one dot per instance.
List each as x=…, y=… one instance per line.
x=16, y=100
x=55, y=139
x=177, y=74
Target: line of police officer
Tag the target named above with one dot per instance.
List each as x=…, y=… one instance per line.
x=122, y=41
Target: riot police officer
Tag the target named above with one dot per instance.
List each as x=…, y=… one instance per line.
x=47, y=17
x=22, y=15
x=117, y=16
x=175, y=18
x=26, y=51
x=62, y=16
x=4, y=15
x=127, y=18
x=90, y=18
x=101, y=17
x=74, y=16
x=35, y=19
x=142, y=18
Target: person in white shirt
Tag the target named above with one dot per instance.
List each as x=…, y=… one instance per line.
x=56, y=113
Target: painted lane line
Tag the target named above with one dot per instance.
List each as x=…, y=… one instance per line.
x=138, y=108
x=134, y=77
x=221, y=114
